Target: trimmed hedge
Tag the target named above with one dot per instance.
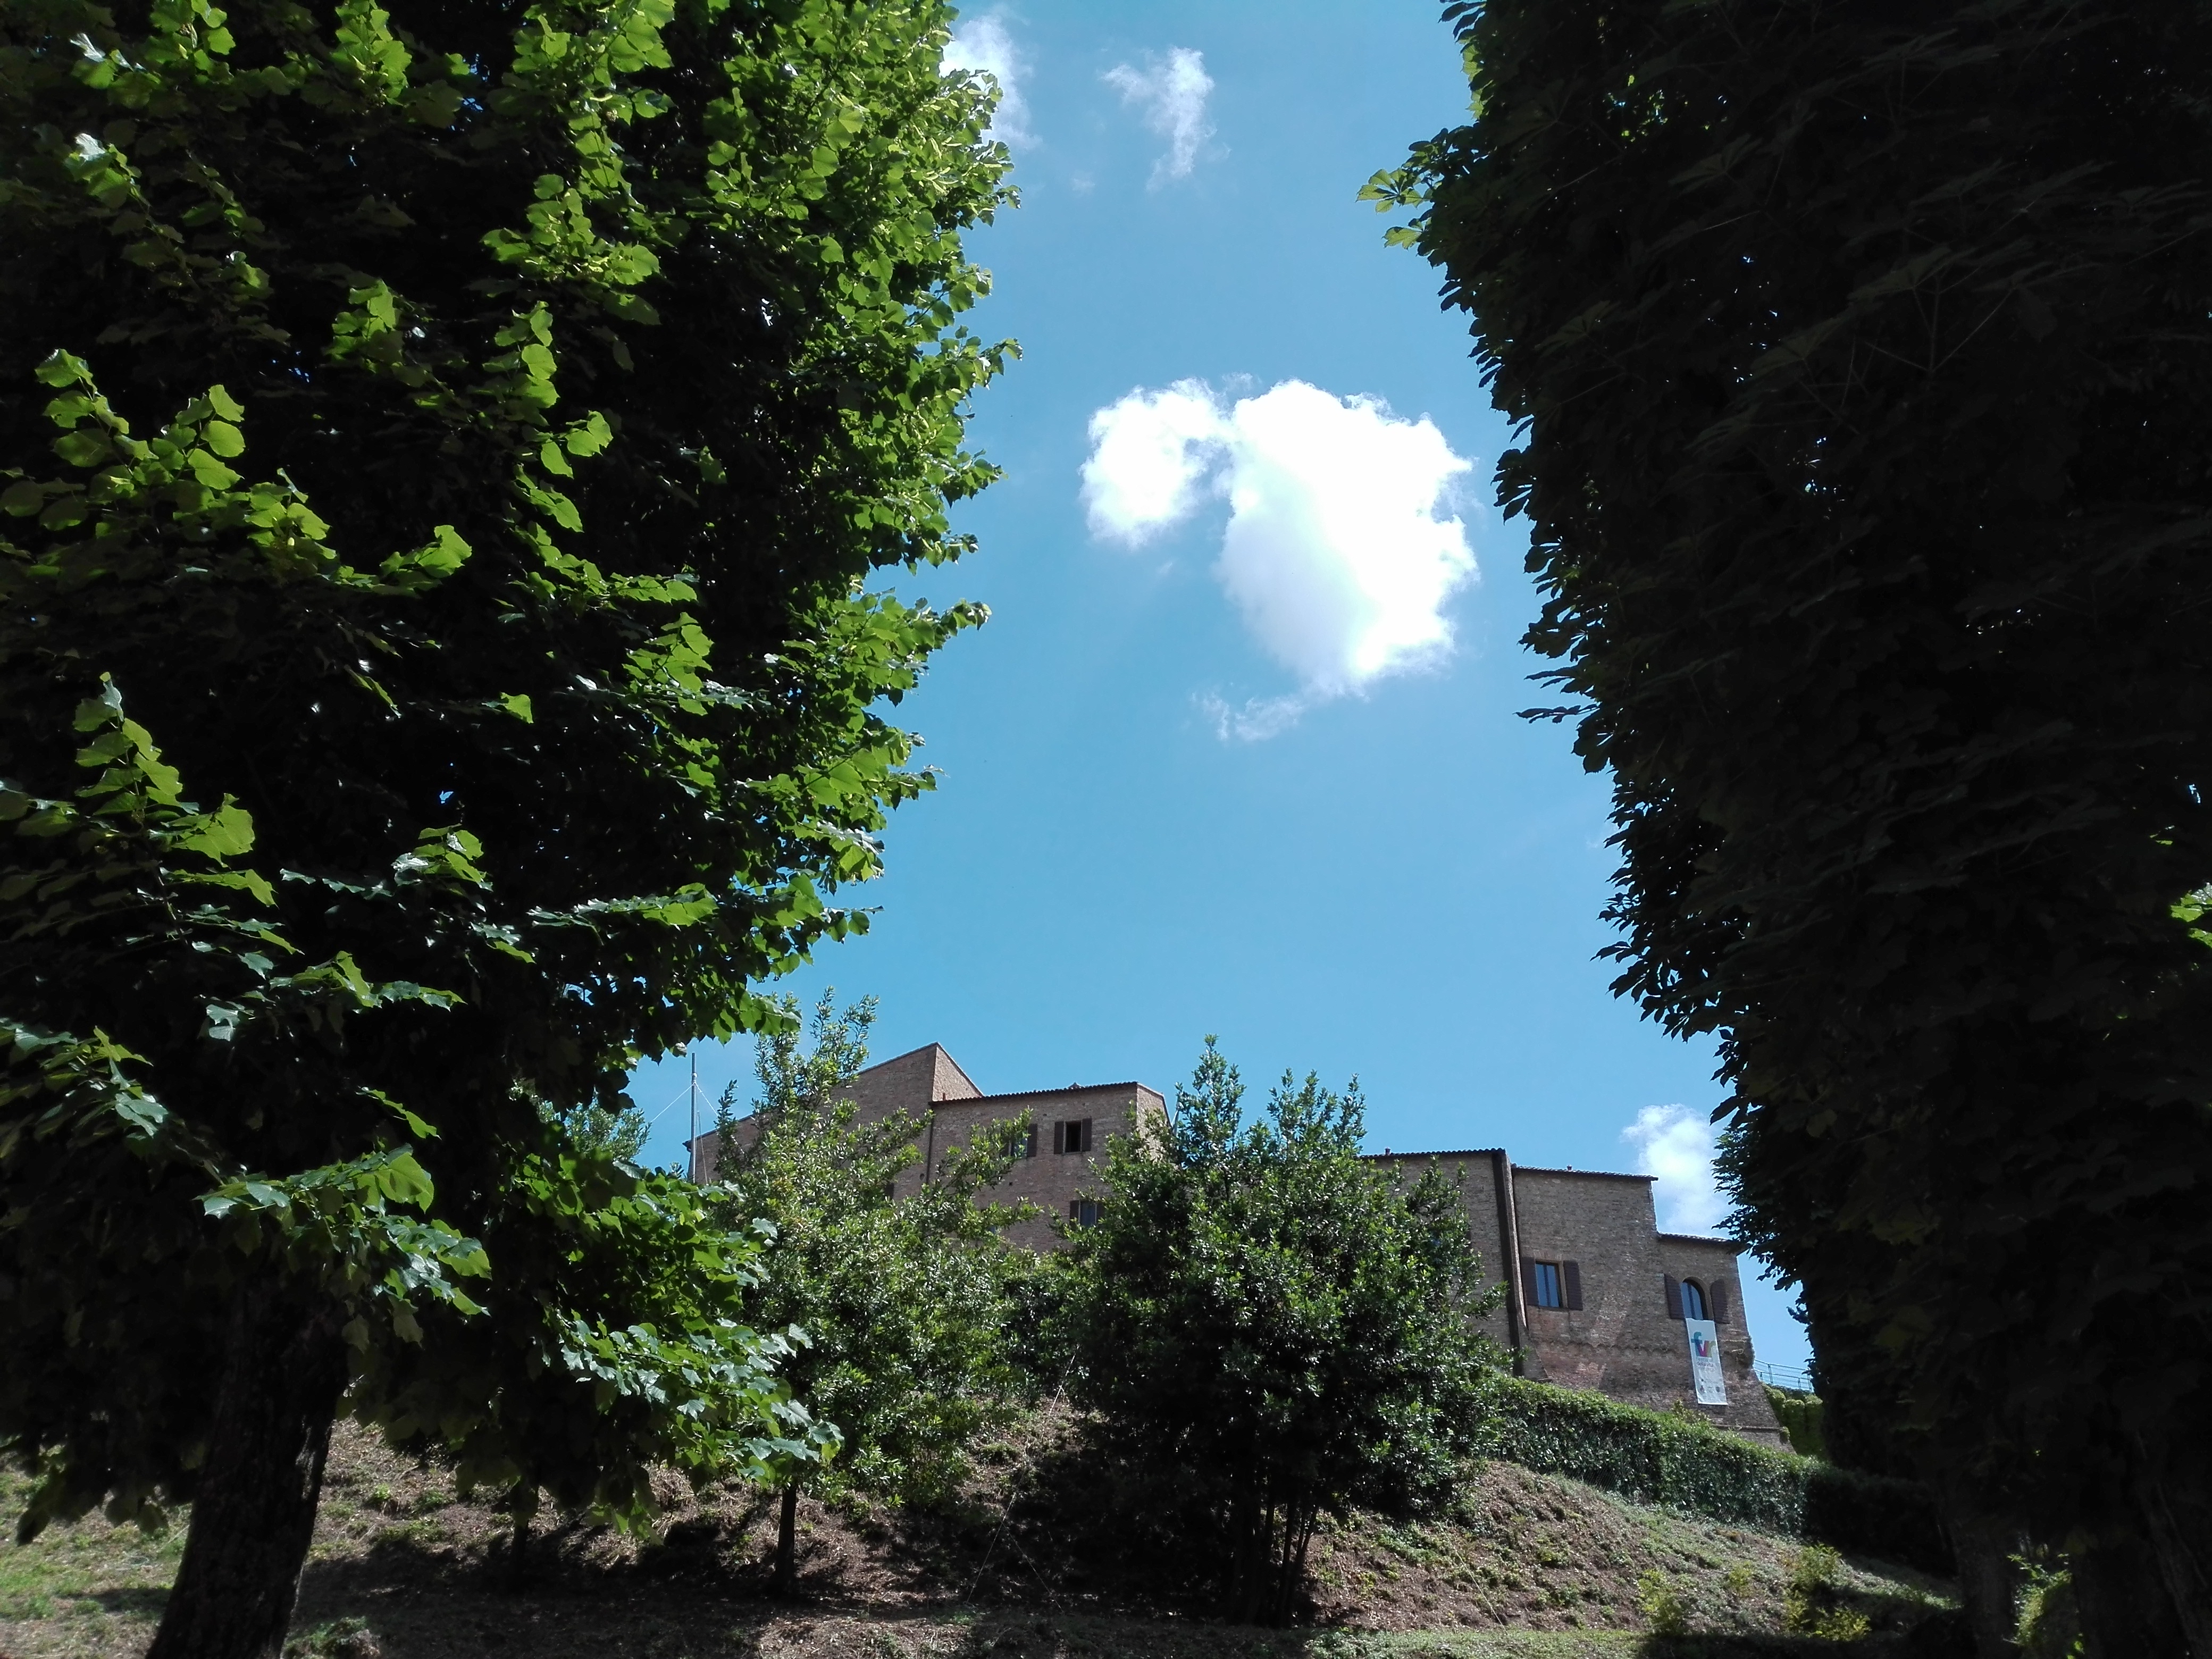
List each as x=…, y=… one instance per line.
x=1655, y=1457
x=1803, y=1419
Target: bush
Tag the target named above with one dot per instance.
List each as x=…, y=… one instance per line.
x=1813, y=1603
x=1663, y=1607
x=1272, y=1330
x=1802, y=1418
x=2050, y=1623
x=1658, y=1458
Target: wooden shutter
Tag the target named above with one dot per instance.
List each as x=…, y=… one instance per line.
x=1060, y=1136
x=1528, y=1283
x=1716, y=1301
x=1674, y=1296
x=1573, y=1272
x=1074, y=1208
x=1082, y=1134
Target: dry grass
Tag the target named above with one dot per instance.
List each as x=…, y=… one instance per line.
x=1526, y=1567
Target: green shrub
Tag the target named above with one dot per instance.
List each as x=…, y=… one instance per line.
x=1657, y=1458
x=1801, y=1416
x=1664, y=1608
x=1811, y=1605
x=346, y=1638
x=2050, y=1623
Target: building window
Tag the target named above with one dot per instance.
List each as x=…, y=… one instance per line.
x=1073, y=1135
x=1544, y=1284
x=1687, y=1299
x=1083, y=1211
x=1553, y=1285
x=1029, y=1141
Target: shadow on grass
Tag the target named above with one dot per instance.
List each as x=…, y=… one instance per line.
x=135, y=1600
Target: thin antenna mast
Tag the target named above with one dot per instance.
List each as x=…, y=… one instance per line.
x=691, y=1146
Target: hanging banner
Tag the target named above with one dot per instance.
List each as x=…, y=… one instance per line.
x=1705, y=1363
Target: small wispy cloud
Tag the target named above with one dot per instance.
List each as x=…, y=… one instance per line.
x=982, y=45
x=1676, y=1145
x=1172, y=94
x=1334, y=552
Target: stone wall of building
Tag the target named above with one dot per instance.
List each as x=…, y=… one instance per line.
x=1055, y=1180
x=1481, y=1178
x=913, y=1082
x=1623, y=1341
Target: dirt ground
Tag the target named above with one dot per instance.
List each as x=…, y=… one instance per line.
x=1525, y=1565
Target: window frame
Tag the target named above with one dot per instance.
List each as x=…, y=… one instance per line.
x=1538, y=1285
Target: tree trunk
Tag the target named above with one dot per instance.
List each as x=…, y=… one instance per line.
x=522, y=1505
x=2125, y=1612
x=787, y=1542
x=1248, y=1557
x=2177, y=1513
x=1989, y=1581
x=1290, y=1565
x=254, y=1516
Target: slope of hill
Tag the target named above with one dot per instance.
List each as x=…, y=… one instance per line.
x=1527, y=1565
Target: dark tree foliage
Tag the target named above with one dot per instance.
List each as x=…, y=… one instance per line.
x=442, y=450
x=1862, y=357
x=1272, y=1329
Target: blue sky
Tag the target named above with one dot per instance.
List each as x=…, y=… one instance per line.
x=1238, y=751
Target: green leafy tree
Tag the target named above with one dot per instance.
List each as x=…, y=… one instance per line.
x=1863, y=367
x=618, y=1130
x=460, y=437
x=1272, y=1328
x=903, y=1300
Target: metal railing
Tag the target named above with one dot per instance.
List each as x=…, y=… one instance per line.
x=1794, y=1377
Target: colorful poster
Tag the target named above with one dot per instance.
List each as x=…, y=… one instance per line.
x=1705, y=1363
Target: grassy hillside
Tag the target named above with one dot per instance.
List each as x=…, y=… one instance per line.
x=1528, y=1565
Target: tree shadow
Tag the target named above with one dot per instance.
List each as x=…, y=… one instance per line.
x=140, y=1600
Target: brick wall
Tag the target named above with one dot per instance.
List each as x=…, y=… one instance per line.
x=912, y=1082
x=1475, y=1177
x=1715, y=1266
x=1622, y=1341
x=1050, y=1180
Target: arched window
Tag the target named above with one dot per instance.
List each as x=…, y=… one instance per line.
x=1693, y=1300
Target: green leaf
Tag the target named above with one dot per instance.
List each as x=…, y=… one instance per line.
x=210, y=471
x=222, y=833
x=58, y=367
x=223, y=438
x=589, y=436
x=84, y=448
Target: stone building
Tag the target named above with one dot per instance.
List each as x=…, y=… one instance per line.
x=1595, y=1295
x=1068, y=1131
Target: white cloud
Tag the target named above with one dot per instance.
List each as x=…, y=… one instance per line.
x=983, y=45
x=1148, y=452
x=1173, y=95
x=1677, y=1146
x=1334, y=552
